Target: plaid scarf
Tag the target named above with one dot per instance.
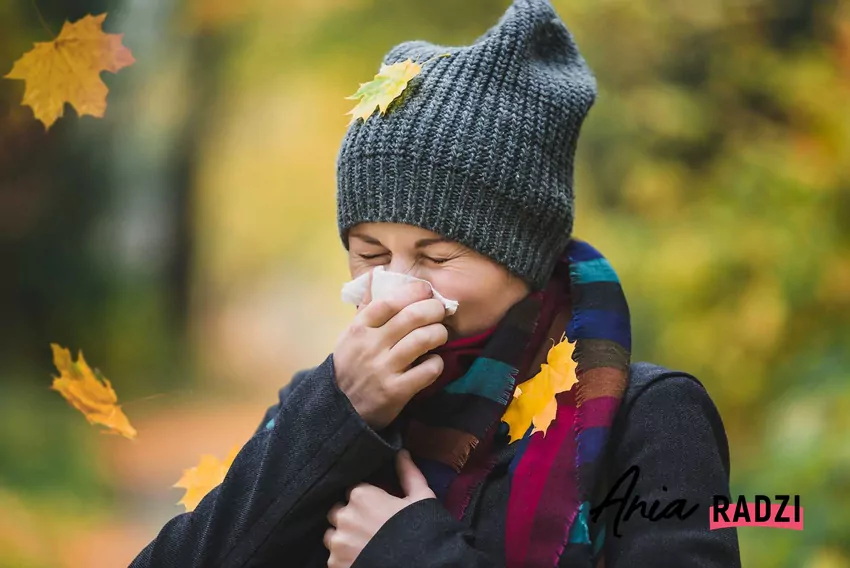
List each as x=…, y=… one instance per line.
x=453, y=428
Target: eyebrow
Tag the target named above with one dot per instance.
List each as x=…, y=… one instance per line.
x=421, y=243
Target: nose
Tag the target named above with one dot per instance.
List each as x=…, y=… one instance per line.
x=402, y=266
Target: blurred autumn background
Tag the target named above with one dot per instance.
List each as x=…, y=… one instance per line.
x=187, y=243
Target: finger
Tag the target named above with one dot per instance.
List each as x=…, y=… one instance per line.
x=367, y=296
x=326, y=539
x=363, y=493
x=333, y=514
x=410, y=478
x=413, y=316
x=416, y=343
x=417, y=378
x=360, y=487
x=380, y=311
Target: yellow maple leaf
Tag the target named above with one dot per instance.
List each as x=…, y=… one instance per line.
x=387, y=85
x=562, y=368
x=534, y=400
x=199, y=480
x=68, y=69
x=83, y=389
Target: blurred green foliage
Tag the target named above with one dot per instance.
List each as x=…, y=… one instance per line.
x=713, y=172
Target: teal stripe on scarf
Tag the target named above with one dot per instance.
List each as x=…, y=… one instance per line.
x=488, y=378
x=596, y=270
x=579, y=532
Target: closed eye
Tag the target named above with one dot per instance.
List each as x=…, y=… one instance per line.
x=374, y=256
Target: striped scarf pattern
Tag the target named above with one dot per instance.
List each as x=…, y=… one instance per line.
x=453, y=430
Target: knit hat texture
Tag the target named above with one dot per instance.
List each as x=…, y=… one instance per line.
x=479, y=148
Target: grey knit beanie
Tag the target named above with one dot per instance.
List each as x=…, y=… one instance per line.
x=479, y=147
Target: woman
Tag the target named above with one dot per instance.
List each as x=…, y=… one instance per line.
x=393, y=451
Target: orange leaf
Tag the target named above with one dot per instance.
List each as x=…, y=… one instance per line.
x=68, y=69
x=199, y=480
x=84, y=390
x=534, y=400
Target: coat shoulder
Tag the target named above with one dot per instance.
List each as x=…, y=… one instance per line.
x=644, y=374
x=666, y=403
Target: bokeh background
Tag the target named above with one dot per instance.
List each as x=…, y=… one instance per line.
x=187, y=242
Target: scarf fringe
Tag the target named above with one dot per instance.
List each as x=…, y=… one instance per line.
x=470, y=488
x=460, y=455
x=508, y=392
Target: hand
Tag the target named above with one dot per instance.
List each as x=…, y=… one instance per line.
x=368, y=509
x=373, y=358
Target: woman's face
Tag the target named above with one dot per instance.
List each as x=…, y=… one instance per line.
x=484, y=289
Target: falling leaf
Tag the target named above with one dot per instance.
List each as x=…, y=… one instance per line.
x=199, y=480
x=89, y=392
x=388, y=84
x=535, y=404
x=68, y=69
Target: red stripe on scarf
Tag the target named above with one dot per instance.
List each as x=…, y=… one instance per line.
x=531, y=478
x=555, y=516
x=600, y=411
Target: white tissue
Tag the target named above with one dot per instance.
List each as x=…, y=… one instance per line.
x=382, y=283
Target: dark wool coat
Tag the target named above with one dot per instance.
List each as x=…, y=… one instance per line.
x=271, y=509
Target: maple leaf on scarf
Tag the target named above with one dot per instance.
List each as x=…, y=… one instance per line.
x=199, y=480
x=68, y=69
x=534, y=400
x=388, y=84
x=89, y=392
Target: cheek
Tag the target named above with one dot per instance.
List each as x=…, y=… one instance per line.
x=454, y=286
x=482, y=301
x=473, y=300
x=473, y=287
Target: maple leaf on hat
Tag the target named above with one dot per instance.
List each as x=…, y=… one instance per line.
x=199, y=480
x=388, y=84
x=89, y=392
x=534, y=400
x=68, y=69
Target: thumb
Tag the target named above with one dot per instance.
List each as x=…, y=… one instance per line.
x=412, y=481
